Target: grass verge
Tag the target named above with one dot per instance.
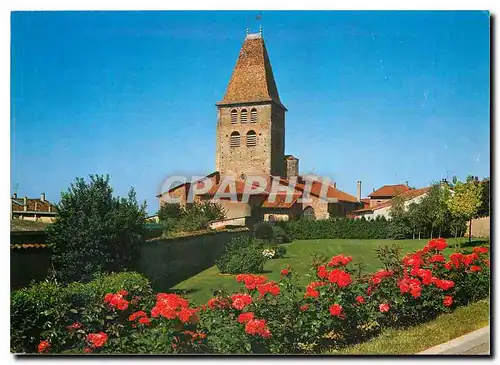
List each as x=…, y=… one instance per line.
x=419, y=338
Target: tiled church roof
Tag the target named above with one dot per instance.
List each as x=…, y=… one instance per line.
x=252, y=79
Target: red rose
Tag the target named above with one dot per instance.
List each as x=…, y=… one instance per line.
x=285, y=272
x=322, y=272
x=74, y=326
x=480, y=249
x=336, y=310
x=97, y=339
x=240, y=301
x=447, y=301
x=383, y=308
x=108, y=297
x=475, y=268
x=437, y=258
x=257, y=327
x=44, y=346
x=145, y=321
x=123, y=292
x=360, y=299
x=304, y=307
x=136, y=315
x=344, y=279
x=245, y=317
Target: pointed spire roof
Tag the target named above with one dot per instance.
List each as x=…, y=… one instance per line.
x=252, y=79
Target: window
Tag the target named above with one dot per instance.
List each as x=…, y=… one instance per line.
x=308, y=213
x=234, y=140
x=234, y=116
x=253, y=115
x=251, y=139
x=243, y=116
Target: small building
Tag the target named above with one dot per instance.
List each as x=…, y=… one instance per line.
x=386, y=193
x=34, y=209
x=383, y=209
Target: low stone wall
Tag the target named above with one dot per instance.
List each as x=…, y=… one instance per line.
x=164, y=261
x=168, y=261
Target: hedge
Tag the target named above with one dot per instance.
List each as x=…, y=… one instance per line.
x=43, y=310
x=339, y=228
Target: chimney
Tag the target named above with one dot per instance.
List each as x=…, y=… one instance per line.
x=42, y=197
x=358, y=190
x=25, y=203
x=335, y=185
x=14, y=196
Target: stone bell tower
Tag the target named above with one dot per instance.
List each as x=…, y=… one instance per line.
x=251, y=117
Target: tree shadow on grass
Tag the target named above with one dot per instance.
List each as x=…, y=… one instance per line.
x=476, y=242
x=181, y=291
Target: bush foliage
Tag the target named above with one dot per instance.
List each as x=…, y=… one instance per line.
x=303, y=229
x=335, y=309
x=242, y=255
x=192, y=217
x=45, y=309
x=95, y=232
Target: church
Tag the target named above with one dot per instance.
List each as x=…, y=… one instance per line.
x=250, y=141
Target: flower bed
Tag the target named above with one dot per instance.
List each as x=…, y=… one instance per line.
x=334, y=310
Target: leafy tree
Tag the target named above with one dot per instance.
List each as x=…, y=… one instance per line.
x=435, y=203
x=191, y=217
x=168, y=215
x=484, y=210
x=399, y=227
x=465, y=201
x=95, y=232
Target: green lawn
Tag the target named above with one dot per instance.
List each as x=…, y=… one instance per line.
x=419, y=338
x=199, y=288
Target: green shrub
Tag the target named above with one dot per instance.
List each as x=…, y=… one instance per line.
x=337, y=228
x=192, y=217
x=280, y=235
x=95, y=232
x=242, y=255
x=280, y=252
x=264, y=231
x=44, y=310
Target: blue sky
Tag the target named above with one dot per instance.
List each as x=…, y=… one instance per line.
x=382, y=97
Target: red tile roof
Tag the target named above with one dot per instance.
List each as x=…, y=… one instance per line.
x=29, y=245
x=389, y=190
x=316, y=186
x=280, y=201
x=252, y=79
x=33, y=205
x=408, y=195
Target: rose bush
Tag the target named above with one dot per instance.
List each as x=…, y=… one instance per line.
x=335, y=309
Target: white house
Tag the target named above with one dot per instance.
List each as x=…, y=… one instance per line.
x=383, y=209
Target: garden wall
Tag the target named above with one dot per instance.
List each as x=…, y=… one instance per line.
x=168, y=261
x=480, y=228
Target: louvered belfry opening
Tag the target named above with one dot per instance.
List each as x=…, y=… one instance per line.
x=234, y=116
x=251, y=139
x=253, y=115
x=243, y=116
x=235, y=139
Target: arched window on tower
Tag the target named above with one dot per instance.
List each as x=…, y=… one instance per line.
x=251, y=139
x=234, y=116
x=253, y=115
x=243, y=116
x=234, y=140
x=308, y=213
